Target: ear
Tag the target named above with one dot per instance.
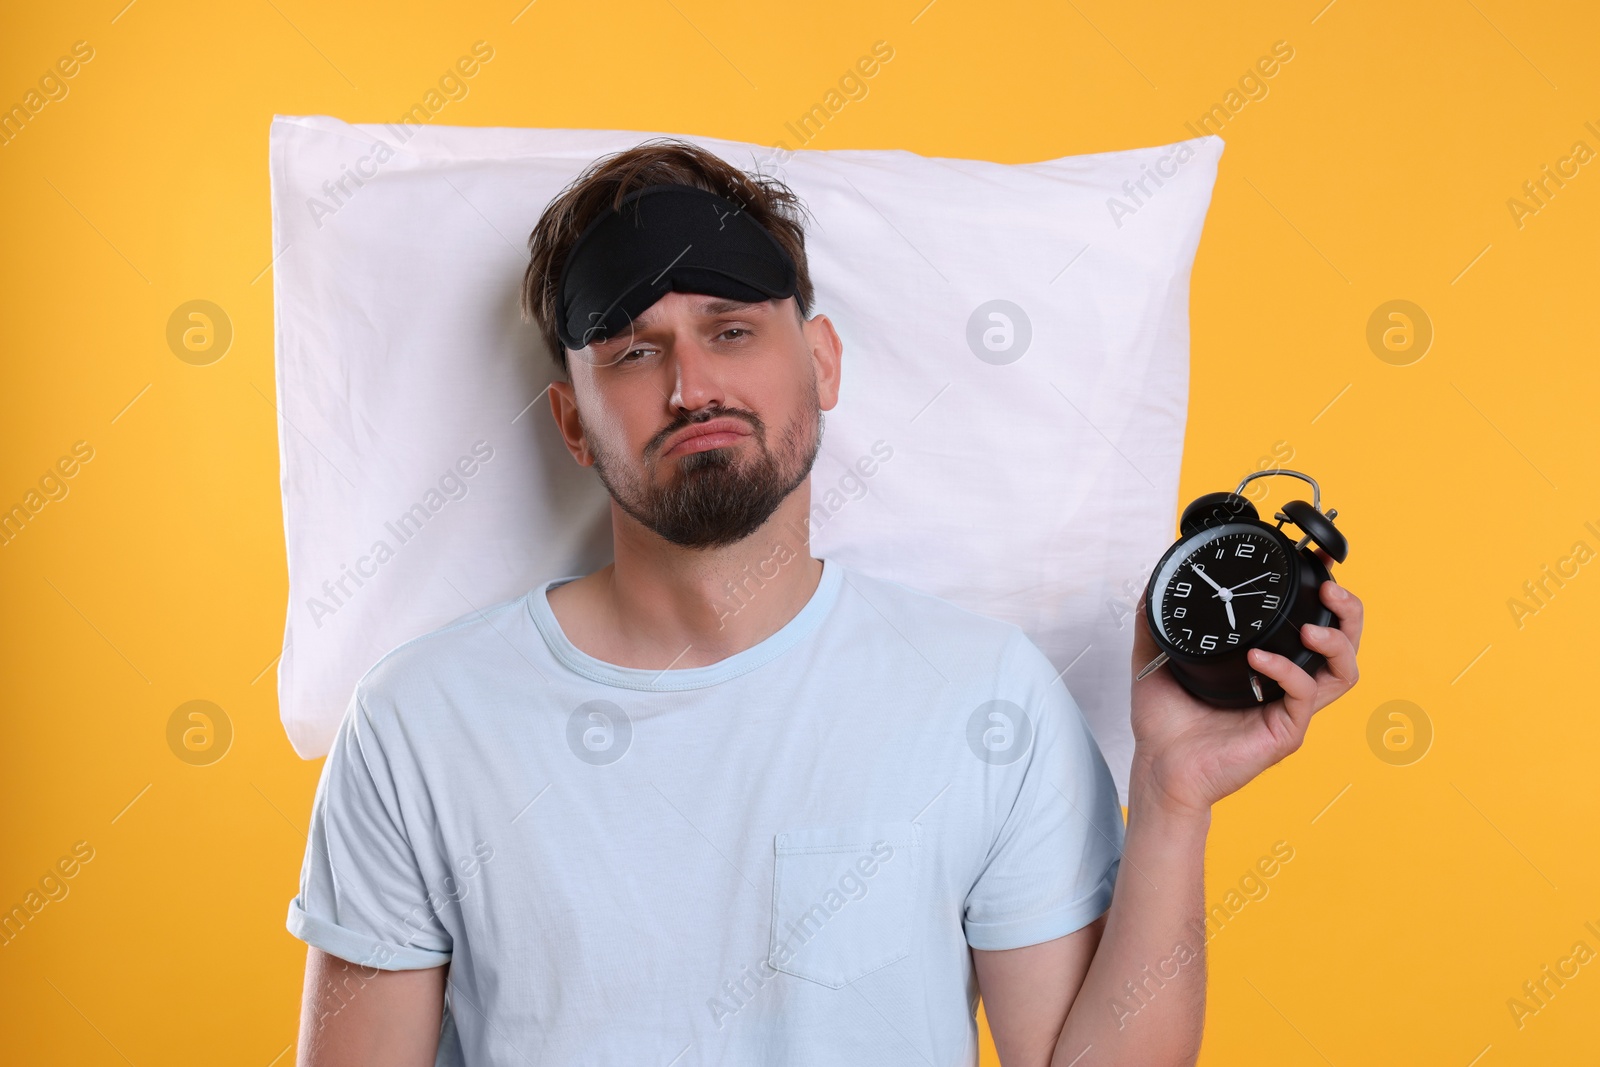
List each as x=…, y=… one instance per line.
x=564, y=409
x=827, y=352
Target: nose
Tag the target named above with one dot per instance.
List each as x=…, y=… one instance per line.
x=697, y=382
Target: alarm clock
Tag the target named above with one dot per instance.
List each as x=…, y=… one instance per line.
x=1233, y=582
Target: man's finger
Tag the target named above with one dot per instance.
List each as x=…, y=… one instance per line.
x=1337, y=648
x=1347, y=607
x=1299, y=688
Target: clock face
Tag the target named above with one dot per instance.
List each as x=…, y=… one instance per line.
x=1221, y=593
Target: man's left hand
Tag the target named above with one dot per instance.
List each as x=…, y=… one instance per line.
x=1190, y=755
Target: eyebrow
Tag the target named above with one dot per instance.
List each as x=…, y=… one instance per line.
x=709, y=306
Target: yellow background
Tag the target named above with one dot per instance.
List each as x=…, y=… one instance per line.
x=1378, y=167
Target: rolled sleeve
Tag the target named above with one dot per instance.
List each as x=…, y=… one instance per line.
x=363, y=897
x=1054, y=861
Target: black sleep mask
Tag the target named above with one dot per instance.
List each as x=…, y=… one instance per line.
x=660, y=239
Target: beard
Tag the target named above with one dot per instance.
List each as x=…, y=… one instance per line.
x=715, y=497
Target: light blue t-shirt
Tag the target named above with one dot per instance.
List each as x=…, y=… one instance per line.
x=780, y=858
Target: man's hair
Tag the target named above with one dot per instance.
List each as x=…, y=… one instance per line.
x=607, y=180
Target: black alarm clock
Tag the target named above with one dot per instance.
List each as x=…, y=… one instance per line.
x=1232, y=583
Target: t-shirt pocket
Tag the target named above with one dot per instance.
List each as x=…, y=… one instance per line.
x=842, y=899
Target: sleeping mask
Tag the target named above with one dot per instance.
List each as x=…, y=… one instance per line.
x=659, y=239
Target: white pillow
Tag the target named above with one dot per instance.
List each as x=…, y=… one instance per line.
x=1008, y=434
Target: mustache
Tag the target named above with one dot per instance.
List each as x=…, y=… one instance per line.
x=757, y=427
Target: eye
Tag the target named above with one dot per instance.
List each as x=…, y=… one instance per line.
x=734, y=329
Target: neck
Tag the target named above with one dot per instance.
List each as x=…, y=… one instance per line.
x=662, y=606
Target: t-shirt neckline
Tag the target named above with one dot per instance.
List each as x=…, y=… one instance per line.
x=674, y=680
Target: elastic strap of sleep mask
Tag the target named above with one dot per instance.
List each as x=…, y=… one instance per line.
x=659, y=239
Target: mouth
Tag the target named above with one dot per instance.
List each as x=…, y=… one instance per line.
x=717, y=433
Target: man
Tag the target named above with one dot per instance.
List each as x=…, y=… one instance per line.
x=724, y=803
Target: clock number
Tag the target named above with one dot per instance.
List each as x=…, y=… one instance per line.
x=1233, y=639
x=1208, y=642
x=1256, y=624
x=1247, y=549
x=1273, y=577
x=1178, y=613
x=1269, y=601
x=1219, y=552
x=1183, y=589
x=1188, y=634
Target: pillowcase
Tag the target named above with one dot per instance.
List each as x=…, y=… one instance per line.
x=1008, y=434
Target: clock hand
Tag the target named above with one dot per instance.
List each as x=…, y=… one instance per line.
x=1225, y=594
x=1201, y=571
x=1257, y=578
